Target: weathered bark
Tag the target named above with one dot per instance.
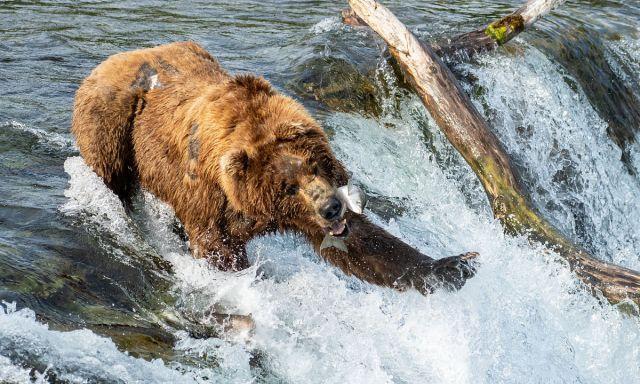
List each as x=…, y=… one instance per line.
x=465, y=128
x=497, y=33
x=483, y=39
x=349, y=17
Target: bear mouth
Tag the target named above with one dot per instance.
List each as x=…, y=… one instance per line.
x=339, y=228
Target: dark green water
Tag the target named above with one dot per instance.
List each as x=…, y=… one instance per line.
x=104, y=297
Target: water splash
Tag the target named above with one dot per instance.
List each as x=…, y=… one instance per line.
x=88, y=195
x=53, y=140
x=10, y=373
x=77, y=356
x=627, y=51
x=572, y=168
x=326, y=25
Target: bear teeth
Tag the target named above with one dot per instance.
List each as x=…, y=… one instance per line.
x=338, y=228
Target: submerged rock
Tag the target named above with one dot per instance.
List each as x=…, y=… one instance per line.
x=338, y=84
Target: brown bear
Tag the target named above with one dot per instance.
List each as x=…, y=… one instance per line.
x=235, y=159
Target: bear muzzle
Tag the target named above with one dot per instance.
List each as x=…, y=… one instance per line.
x=332, y=212
x=333, y=209
x=351, y=198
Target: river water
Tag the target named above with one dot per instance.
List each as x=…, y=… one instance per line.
x=91, y=294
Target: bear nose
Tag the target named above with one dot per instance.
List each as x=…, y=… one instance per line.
x=332, y=209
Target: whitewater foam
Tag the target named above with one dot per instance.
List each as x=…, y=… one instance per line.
x=326, y=25
x=576, y=176
x=77, y=356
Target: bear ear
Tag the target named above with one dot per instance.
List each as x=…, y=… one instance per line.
x=235, y=162
x=293, y=131
x=254, y=85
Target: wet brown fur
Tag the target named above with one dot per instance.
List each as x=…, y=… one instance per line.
x=232, y=156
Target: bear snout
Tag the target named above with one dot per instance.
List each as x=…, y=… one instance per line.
x=332, y=210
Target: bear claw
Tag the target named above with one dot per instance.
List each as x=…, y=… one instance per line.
x=449, y=272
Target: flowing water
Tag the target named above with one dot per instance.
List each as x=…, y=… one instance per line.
x=89, y=293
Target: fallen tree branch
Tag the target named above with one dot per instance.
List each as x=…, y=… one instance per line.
x=469, y=133
x=484, y=39
x=497, y=33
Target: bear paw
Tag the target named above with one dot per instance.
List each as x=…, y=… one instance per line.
x=449, y=272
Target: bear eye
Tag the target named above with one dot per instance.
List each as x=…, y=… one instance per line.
x=291, y=189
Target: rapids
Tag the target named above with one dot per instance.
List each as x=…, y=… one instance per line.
x=86, y=290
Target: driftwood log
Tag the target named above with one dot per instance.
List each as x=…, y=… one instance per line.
x=469, y=133
x=485, y=39
x=497, y=33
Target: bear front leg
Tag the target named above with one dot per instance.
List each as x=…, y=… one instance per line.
x=376, y=256
x=222, y=250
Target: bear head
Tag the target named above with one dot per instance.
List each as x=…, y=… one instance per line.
x=289, y=180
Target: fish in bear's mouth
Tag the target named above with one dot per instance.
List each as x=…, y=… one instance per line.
x=338, y=228
x=352, y=198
